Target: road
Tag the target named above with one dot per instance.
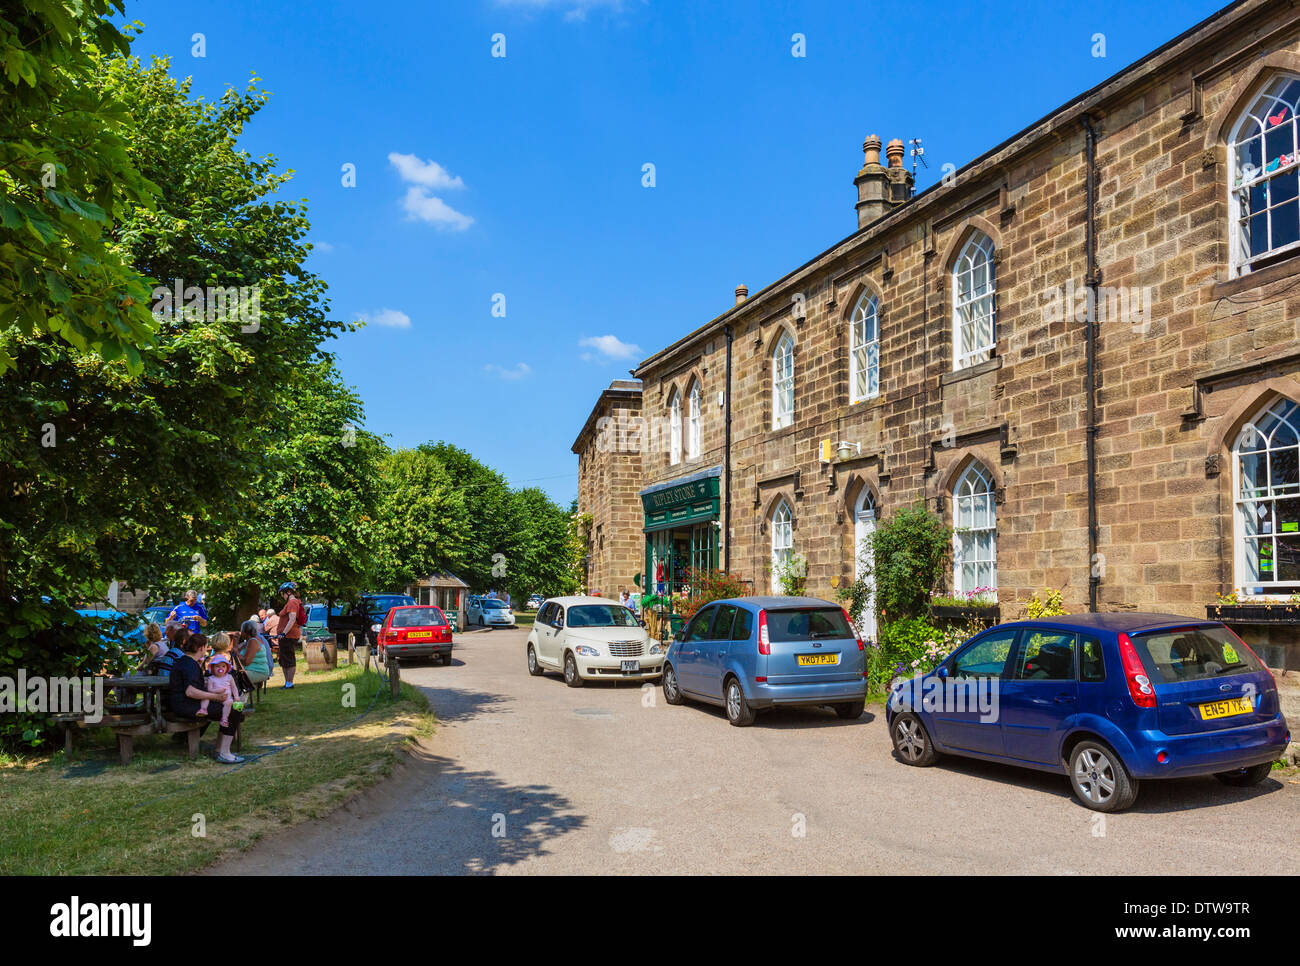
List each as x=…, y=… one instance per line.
x=525, y=775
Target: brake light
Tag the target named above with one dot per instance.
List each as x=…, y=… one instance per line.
x=764, y=641
x=1271, y=680
x=1140, y=688
x=848, y=620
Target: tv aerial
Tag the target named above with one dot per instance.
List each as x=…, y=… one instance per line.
x=918, y=154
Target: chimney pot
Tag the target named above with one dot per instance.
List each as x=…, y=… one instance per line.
x=894, y=152
x=742, y=293
x=871, y=149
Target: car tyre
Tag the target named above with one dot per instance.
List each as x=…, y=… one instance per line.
x=571, y=676
x=850, y=710
x=534, y=668
x=1099, y=779
x=672, y=690
x=1245, y=777
x=912, y=743
x=739, y=713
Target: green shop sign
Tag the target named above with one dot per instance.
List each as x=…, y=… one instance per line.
x=687, y=502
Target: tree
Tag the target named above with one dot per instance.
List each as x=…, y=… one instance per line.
x=67, y=179
x=492, y=525
x=424, y=521
x=905, y=557
x=541, y=561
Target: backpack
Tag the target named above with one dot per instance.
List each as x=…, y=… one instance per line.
x=162, y=665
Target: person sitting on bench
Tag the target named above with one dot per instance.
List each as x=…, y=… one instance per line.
x=187, y=691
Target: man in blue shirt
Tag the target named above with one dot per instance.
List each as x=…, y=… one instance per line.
x=190, y=614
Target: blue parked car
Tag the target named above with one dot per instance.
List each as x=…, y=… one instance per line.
x=1108, y=699
x=751, y=653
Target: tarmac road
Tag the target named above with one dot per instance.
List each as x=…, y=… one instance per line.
x=525, y=775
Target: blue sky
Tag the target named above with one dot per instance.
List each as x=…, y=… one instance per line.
x=522, y=175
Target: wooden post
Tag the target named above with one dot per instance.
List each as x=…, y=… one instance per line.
x=193, y=739
x=125, y=748
x=67, y=740
x=395, y=678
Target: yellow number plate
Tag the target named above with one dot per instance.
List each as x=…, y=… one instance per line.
x=806, y=659
x=420, y=634
x=1225, y=709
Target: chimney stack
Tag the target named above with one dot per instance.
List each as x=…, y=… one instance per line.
x=742, y=293
x=881, y=189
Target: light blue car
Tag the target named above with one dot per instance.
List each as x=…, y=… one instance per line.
x=751, y=653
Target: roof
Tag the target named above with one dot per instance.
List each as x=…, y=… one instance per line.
x=1127, y=621
x=570, y=601
x=442, y=578
x=1046, y=130
x=618, y=389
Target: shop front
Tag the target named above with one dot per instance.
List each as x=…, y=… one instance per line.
x=682, y=531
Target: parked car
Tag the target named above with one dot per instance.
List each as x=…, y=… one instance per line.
x=1109, y=700
x=317, y=626
x=536, y=601
x=420, y=630
x=489, y=612
x=155, y=614
x=748, y=654
x=375, y=607
x=591, y=639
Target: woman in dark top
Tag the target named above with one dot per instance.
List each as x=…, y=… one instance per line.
x=187, y=691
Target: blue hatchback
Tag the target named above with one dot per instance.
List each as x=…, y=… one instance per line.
x=751, y=653
x=1108, y=699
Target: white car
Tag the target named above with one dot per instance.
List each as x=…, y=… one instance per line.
x=592, y=639
x=489, y=612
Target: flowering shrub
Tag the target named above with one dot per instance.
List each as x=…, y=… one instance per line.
x=1050, y=606
x=792, y=574
x=710, y=585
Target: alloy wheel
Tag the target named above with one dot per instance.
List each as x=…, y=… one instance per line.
x=1094, y=776
x=733, y=700
x=908, y=739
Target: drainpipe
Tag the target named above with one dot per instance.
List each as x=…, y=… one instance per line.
x=1092, y=280
x=726, y=469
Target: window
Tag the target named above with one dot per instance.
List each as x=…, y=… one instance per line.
x=1262, y=177
x=782, y=541
x=693, y=432
x=1092, y=666
x=744, y=625
x=698, y=629
x=675, y=429
x=808, y=624
x=974, y=539
x=1193, y=654
x=973, y=307
x=721, y=630
x=1045, y=656
x=1266, y=461
x=985, y=658
x=864, y=350
x=783, y=383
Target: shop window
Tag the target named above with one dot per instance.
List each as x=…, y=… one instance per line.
x=975, y=551
x=1266, y=460
x=864, y=350
x=973, y=307
x=1262, y=177
x=783, y=383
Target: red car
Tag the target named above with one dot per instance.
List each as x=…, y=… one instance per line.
x=421, y=630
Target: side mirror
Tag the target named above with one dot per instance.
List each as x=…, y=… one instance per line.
x=376, y=628
x=942, y=673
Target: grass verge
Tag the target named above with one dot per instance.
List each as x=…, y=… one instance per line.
x=308, y=750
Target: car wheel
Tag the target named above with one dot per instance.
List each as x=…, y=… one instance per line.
x=1099, y=778
x=672, y=691
x=1245, y=777
x=912, y=742
x=850, y=710
x=739, y=713
x=571, y=676
x=534, y=668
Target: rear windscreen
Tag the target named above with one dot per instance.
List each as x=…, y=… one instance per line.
x=808, y=624
x=418, y=617
x=1193, y=654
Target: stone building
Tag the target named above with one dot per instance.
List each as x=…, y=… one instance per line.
x=1082, y=349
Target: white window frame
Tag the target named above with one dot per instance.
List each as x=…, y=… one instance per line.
x=783, y=383
x=1286, y=413
x=1251, y=125
x=693, y=424
x=675, y=429
x=782, y=539
x=864, y=349
x=974, y=530
x=976, y=307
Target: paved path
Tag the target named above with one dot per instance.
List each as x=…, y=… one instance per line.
x=601, y=780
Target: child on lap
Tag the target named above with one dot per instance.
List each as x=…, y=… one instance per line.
x=220, y=679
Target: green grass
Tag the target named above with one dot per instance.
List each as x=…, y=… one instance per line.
x=525, y=619
x=306, y=753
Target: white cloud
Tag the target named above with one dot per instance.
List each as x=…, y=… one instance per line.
x=518, y=372
x=389, y=318
x=428, y=173
x=323, y=247
x=419, y=204
x=611, y=347
x=573, y=9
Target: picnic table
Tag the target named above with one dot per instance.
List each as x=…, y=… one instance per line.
x=142, y=714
